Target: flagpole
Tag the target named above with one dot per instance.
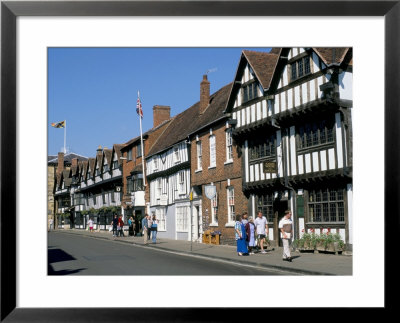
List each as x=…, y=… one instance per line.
x=141, y=144
x=65, y=137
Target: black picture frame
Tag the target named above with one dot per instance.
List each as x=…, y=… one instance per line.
x=10, y=10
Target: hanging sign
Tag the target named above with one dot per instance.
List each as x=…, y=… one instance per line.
x=269, y=167
x=210, y=191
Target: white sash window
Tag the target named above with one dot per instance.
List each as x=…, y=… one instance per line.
x=212, y=151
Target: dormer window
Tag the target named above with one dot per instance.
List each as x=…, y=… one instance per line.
x=300, y=68
x=250, y=92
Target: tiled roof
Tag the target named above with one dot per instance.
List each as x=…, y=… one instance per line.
x=147, y=133
x=190, y=120
x=108, y=155
x=117, y=149
x=263, y=65
x=331, y=55
x=67, y=158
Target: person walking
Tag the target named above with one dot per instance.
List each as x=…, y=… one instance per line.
x=90, y=224
x=149, y=223
x=154, y=224
x=131, y=224
x=121, y=226
x=251, y=235
x=114, y=224
x=51, y=224
x=261, y=224
x=240, y=236
x=286, y=228
x=145, y=228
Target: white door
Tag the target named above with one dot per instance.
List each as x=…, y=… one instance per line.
x=196, y=225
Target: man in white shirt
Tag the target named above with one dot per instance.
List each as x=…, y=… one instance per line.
x=261, y=224
x=286, y=227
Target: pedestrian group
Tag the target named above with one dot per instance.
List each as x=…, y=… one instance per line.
x=250, y=234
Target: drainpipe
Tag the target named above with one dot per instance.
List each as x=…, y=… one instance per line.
x=289, y=187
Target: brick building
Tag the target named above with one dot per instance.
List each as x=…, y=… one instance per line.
x=135, y=189
x=216, y=161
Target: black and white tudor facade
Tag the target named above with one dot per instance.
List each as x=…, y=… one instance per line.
x=292, y=114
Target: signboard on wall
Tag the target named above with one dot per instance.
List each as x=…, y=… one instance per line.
x=269, y=167
x=210, y=191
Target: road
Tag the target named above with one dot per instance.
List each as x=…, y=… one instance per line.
x=79, y=255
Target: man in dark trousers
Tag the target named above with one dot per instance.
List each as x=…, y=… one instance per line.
x=115, y=225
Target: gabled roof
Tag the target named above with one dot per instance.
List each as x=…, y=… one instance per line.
x=108, y=155
x=190, y=121
x=92, y=164
x=332, y=55
x=263, y=65
x=67, y=158
x=145, y=135
x=117, y=149
x=99, y=160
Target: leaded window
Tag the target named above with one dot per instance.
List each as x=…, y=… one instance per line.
x=266, y=206
x=262, y=147
x=326, y=205
x=315, y=133
x=300, y=68
x=250, y=92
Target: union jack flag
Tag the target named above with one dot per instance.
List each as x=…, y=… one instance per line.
x=60, y=124
x=139, y=109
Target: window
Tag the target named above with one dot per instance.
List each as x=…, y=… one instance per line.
x=155, y=163
x=212, y=151
x=199, y=154
x=162, y=220
x=176, y=155
x=88, y=175
x=158, y=189
x=112, y=197
x=130, y=154
x=115, y=164
x=182, y=213
x=326, y=205
x=214, y=209
x=265, y=205
x=316, y=133
x=139, y=150
x=97, y=172
x=137, y=182
x=250, y=92
x=106, y=168
x=129, y=184
x=300, y=68
x=104, y=197
x=181, y=183
x=229, y=149
x=262, y=148
x=231, y=204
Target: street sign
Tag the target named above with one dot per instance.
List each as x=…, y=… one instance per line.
x=210, y=191
x=269, y=167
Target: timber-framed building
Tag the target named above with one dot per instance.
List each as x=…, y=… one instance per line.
x=292, y=109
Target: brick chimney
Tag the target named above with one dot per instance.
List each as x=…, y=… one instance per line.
x=60, y=159
x=74, y=162
x=204, y=94
x=161, y=113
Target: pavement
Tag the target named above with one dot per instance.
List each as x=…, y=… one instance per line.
x=303, y=263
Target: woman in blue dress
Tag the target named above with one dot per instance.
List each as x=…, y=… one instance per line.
x=240, y=236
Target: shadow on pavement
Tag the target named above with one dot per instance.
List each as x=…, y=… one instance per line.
x=58, y=255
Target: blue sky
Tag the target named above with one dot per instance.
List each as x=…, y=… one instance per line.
x=95, y=89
